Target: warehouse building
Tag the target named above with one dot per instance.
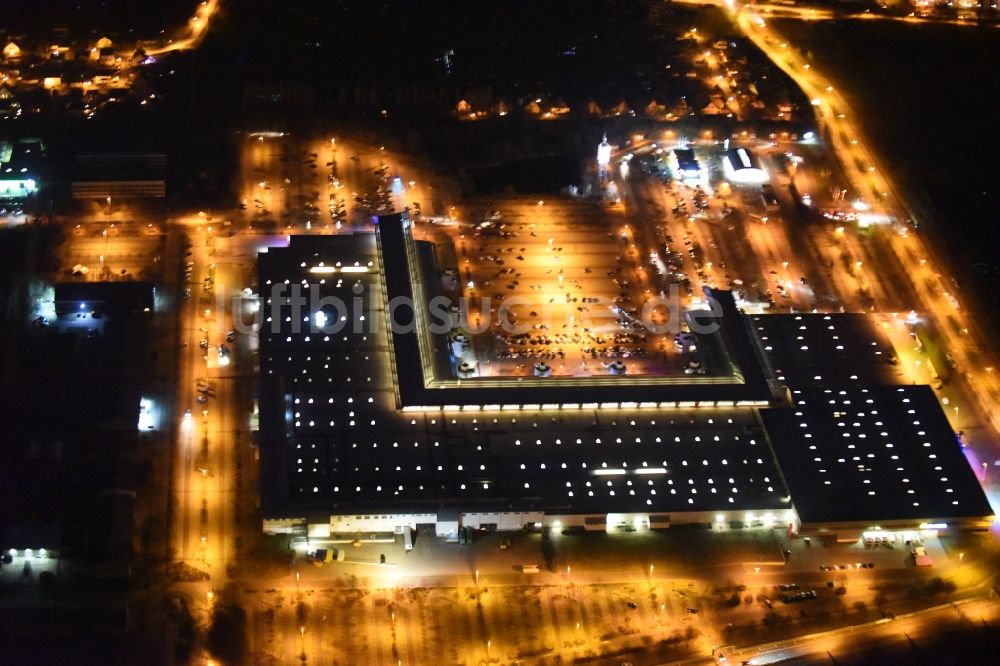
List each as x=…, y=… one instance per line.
x=20, y=168
x=741, y=166
x=362, y=432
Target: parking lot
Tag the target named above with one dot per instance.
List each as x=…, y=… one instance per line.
x=793, y=245
x=560, y=282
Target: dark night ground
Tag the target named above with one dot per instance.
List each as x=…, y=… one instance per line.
x=927, y=96
x=146, y=19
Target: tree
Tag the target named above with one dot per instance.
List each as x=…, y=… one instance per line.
x=227, y=640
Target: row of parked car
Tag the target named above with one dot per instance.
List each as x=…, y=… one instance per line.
x=799, y=596
x=846, y=567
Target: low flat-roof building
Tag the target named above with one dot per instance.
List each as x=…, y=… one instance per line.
x=863, y=458
x=104, y=297
x=741, y=166
x=140, y=175
x=20, y=167
x=335, y=437
x=835, y=349
x=363, y=430
x=687, y=164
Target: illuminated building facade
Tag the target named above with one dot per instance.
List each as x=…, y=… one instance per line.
x=20, y=164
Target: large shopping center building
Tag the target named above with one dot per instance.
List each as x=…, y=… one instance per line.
x=800, y=421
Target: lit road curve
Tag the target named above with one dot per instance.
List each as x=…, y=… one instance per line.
x=193, y=32
x=847, y=13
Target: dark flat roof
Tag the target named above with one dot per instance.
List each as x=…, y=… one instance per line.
x=333, y=437
x=873, y=453
x=749, y=382
x=120, y=295
x=568, y=466
x=805, y=350
x=120, y=166
x=686, y=159
x=21, y=154
x=743, y=158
